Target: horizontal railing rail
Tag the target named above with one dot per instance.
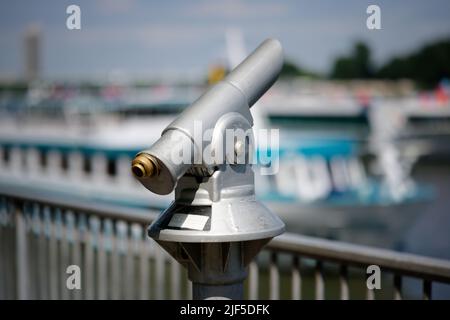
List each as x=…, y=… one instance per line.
x=340, y=252
x=41, y=233
x=21, y=194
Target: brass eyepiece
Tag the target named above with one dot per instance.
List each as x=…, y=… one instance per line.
x=144, y=166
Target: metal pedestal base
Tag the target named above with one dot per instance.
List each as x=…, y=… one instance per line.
x=234, y=291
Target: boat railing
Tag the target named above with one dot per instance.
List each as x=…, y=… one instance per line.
x=94, y=168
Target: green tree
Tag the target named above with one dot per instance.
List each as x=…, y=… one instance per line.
x=362, y=61
x=290, y=69
x=427, y=66
x=357, y=65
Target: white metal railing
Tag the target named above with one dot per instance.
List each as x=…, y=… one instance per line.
x=41, y=234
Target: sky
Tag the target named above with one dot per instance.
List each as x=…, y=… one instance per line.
x=144, y=39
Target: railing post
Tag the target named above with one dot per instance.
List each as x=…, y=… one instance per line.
x=22, y=278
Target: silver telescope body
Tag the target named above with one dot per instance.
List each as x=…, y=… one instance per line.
x=156, y=169
x=215, y=226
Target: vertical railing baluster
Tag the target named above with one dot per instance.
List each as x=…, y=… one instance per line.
x=52, y=259
x=296, y=278
x=11, y=272
x=3, y=293
x=108, y=247
x=22, y=279
x=102, y=266
x=144, y=265
x=129, y=261
x=397, y=287
x=10, y=280
x=73, y=236
x=30, y=238
x=87, y=254
x=64, y=255
x=427, y=289
x=3, y=249
x=189, y=289
x=175, y=279
x=370, y=294
x=9, y=249
x=274, y=276
x=34, y=250
x=319, y=283
x=94, y=237
x=122, y=241
x=11, y=252
x=159, y=289
x=115, y=264
x=253, y=280
x=56, y=236
x=70, y=235
x=51, y=252
x=137, y=234
x=31, y=255
x=43, y=257
x=343, y=282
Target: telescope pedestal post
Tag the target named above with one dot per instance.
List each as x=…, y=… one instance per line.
x=220, y=272
x=234, y=291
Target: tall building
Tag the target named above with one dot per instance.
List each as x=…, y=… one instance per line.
x=32, y=53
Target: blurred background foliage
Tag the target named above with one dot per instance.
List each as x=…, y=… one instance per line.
x=426, y=66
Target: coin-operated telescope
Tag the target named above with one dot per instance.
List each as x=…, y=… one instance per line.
x=215, y=226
